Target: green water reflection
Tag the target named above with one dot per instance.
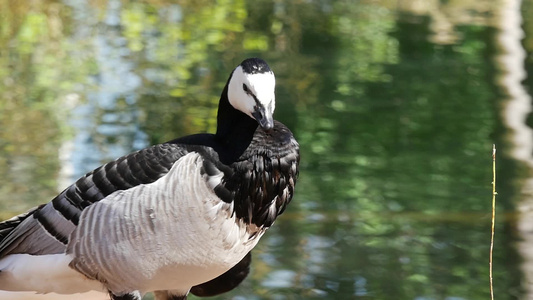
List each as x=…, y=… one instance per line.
x=395, y=105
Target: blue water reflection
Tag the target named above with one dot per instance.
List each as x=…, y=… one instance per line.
x=107, y=121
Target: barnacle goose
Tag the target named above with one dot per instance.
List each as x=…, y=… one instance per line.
x=171, y=219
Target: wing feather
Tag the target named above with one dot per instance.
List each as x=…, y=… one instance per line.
x=46, y=229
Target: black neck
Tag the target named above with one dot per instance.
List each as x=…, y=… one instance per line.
x=235, y=129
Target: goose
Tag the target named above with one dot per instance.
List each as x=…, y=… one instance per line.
x=175, y=218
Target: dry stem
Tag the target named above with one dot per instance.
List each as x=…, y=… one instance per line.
x=493, y=217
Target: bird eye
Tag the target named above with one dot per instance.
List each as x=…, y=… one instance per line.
x=245, y=88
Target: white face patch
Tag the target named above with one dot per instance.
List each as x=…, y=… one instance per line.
x=262, y=85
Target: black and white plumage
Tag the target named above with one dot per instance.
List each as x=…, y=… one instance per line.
x=172, y=218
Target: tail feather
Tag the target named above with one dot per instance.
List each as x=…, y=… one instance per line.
x=43, y=274
x=8, y=225
x=92, y=295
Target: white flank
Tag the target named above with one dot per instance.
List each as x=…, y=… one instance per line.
x=171, y=234
x=43, y=274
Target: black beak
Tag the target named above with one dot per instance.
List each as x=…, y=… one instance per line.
x=264, y=118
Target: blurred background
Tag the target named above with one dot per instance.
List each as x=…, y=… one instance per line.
x=396, y=105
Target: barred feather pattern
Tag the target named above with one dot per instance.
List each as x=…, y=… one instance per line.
x=139, y=242
x=54, y=222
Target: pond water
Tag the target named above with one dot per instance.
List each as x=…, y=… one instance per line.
x=396, y=105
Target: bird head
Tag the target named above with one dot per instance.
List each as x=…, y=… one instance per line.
x=251, y=90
